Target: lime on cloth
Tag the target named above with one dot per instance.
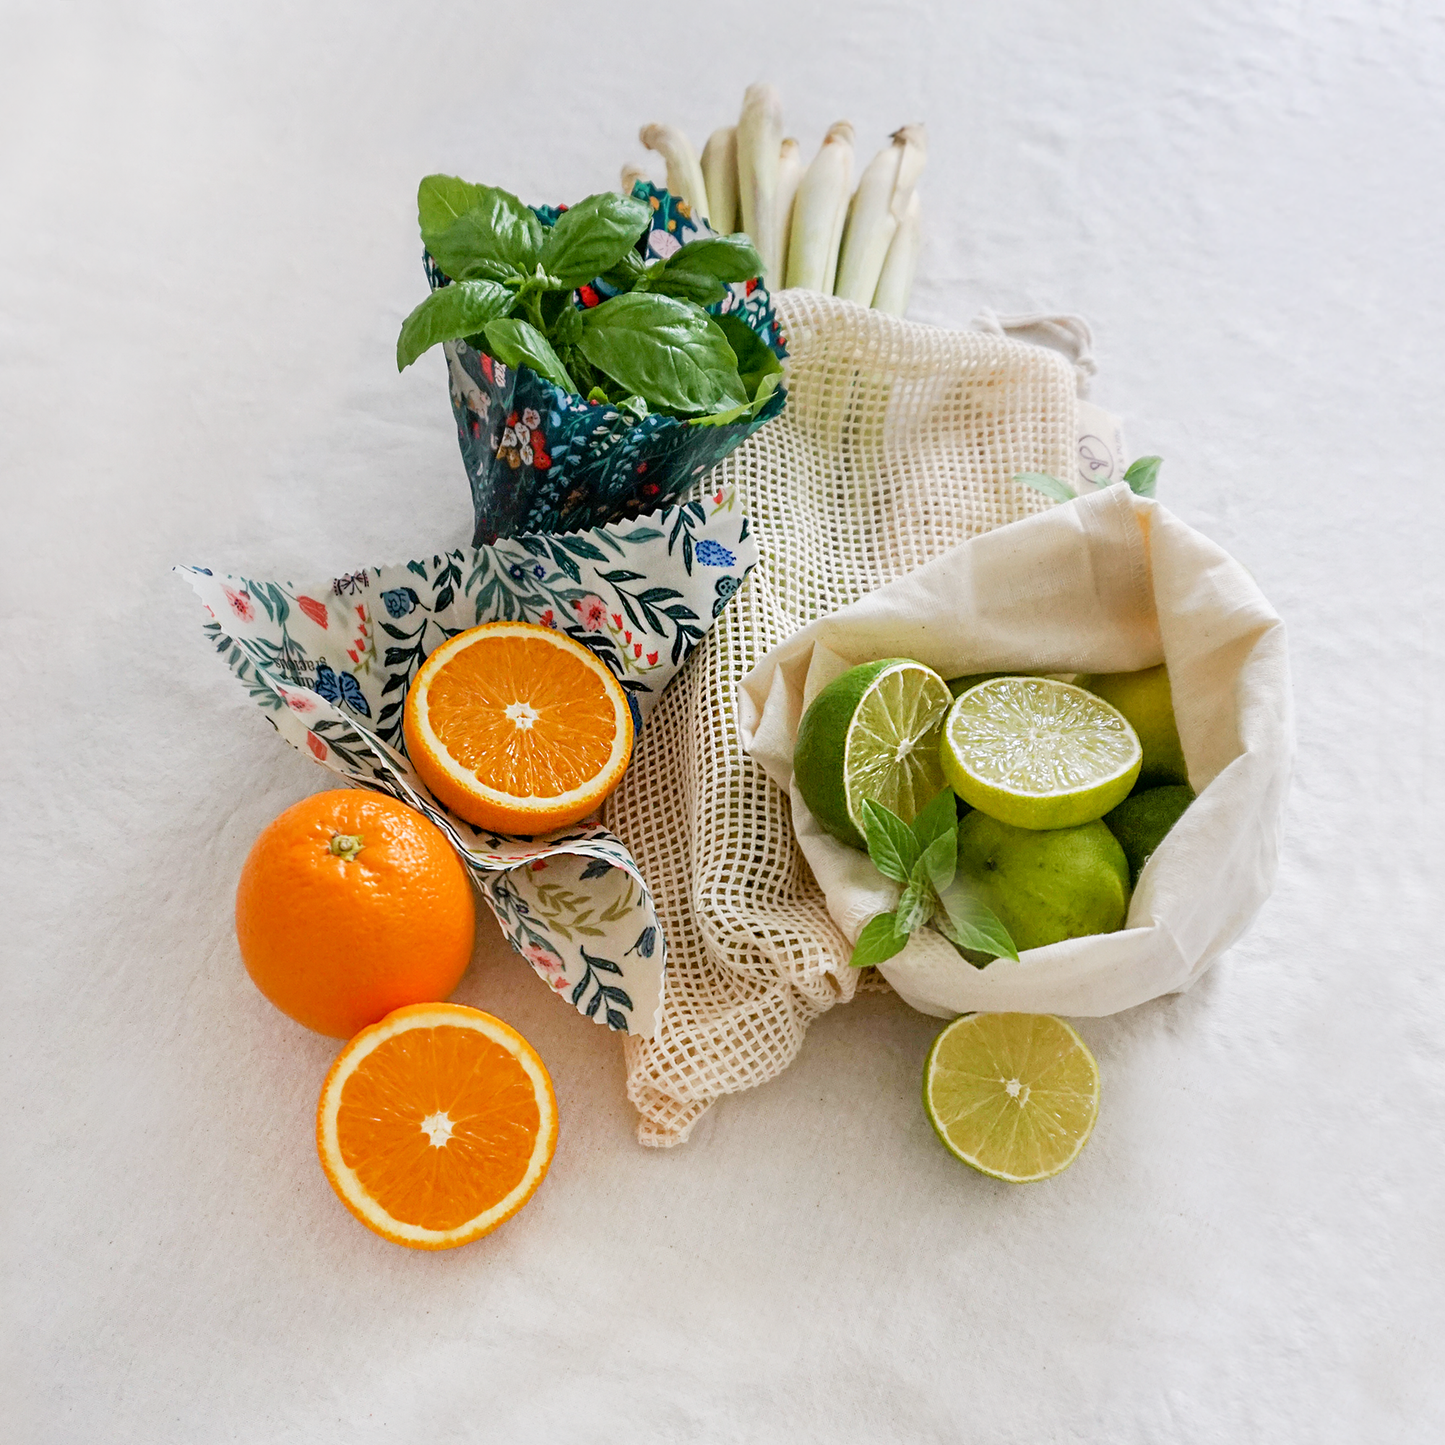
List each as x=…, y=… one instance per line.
x=871, y=733
x=1038, y=753
x=1045, y=884
x=1145, y=698
x=1142, y=822
x=1012, y=1095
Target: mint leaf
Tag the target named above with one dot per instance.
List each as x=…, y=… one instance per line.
x=1143, y=474
x=970, y=923
x=592, y=237
x=891, y=844
x=878, y=941
x=917, y=903
x=518, y=343
x=1049, y=486
x=938, y=816
x=458, y=310
x=940, y=859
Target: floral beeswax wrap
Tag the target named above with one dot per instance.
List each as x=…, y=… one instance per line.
x=330, y=661
x=540, y=459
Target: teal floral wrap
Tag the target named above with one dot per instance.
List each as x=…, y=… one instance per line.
x=329, y=662
x=540, y=459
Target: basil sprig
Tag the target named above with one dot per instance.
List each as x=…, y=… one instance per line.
x=652, y=347
x=924, y=859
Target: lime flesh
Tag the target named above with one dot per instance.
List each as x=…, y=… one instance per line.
x=1012, y=1095
x=871, y=733
x=1038, y=753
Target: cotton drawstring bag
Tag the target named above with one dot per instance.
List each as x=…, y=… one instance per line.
x=1109, y=583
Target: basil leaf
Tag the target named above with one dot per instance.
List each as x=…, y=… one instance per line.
x=567, y=328
x=729, y=258
x=969, y=923
x=1143, y=475
x=878, y=941
x=497, y=238
x=592, y=237
x=441, y=201
x=669, y=353
x=455, y=311
x=766, y=388
x=891, y=844
x=701, y=290
x=518, y=343
x=917, y=901
x=626, y=273
x=1049, y=486
x=755, y=356
x=940, y=859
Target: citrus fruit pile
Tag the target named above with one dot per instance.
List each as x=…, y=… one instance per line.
x=355, y=917
x=1064, y=790
x=1058, y=792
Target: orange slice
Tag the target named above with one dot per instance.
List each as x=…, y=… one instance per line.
x=436, y=1125
x=517, y=728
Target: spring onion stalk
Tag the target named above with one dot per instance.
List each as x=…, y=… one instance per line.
x=819, y=211
x=790, y=176
x=684, y=174
x=720, y=176
x=631, y=173
x=760, y=144
x=895, y=285
x=877, y=211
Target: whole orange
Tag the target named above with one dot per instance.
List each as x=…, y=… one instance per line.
x=351, y=905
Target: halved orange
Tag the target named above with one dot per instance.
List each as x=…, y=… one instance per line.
x=518, y=728
x=436, y=1125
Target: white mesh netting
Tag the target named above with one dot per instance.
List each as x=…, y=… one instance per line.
x=898, y=442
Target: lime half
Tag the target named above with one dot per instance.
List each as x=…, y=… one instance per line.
x=871, y=733
x=1012, y=1095
x=1038, y=753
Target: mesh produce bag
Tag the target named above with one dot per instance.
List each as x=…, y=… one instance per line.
x=898, y=442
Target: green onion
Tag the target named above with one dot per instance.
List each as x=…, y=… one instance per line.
x=760, y=143
x=877, y=212
x=684, y=174
x=790, y=175
x=720, y=176
x=820, y=210
x=895, y=285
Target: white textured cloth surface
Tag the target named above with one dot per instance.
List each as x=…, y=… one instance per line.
x=206, y=256
x=1111, y=583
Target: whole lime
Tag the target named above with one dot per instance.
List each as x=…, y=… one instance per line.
x=1140, y=822
x=1144, y=698
x=1045, y=885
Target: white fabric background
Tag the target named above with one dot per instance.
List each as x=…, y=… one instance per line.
x=206, y=252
